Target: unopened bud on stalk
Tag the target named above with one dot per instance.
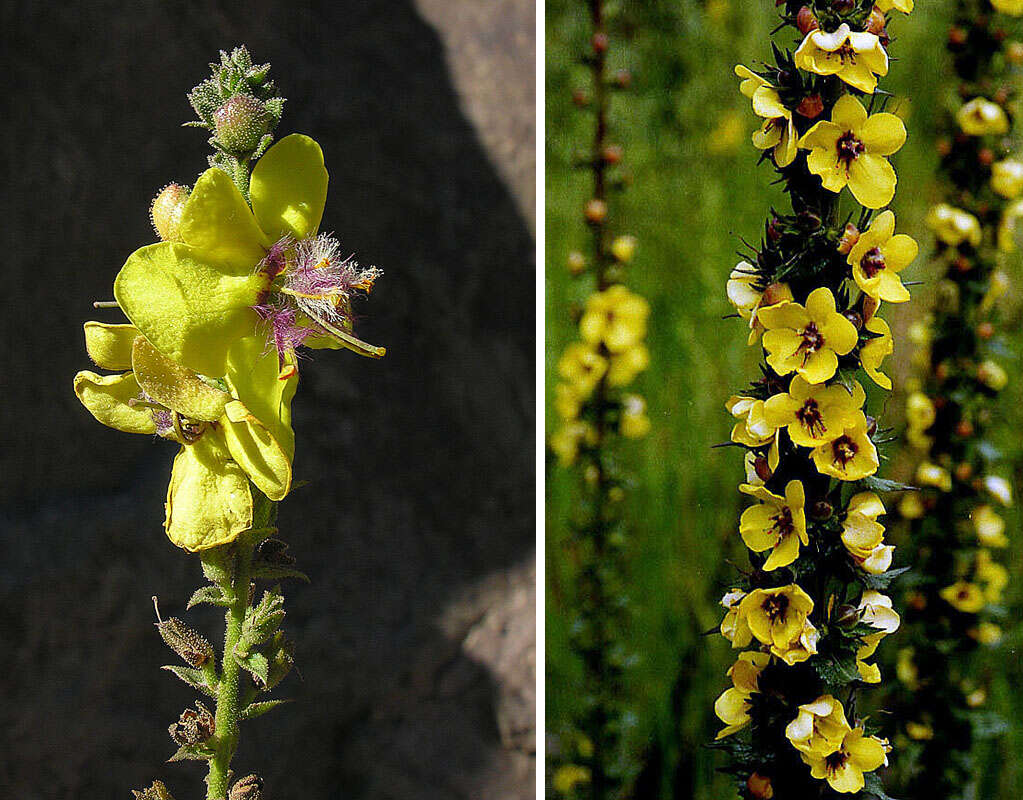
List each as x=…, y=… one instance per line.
x=876, y=21
x=248, y=788
x=843, y=6
x=576, y=262
x=806, y=20
x=623, y=79
x=166, y=210
x=241, y=122
x=623, y=248
x=985, y=330
x=580, y=98
x=600, y=42
x=1014, y=52
x=850, y=236
x=596, y=211
x=846, y=616
x=854, y=317
x=870, y=307
x=612, y=154
x=956, y=36
x=775, y=293
x=760, y=786
x=822, y=510
x=964, y=471
x=811, y=106
x=986, y=156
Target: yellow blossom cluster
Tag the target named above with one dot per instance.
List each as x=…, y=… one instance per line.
x=608, y=356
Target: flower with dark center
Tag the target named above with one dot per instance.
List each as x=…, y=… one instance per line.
x=849, y=148
x=809, y=416
x=872, y=262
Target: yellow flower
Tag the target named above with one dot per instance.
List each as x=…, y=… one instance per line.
x=732, y=626
x=228, y=438
x=1007, y=227
x=627, y=364
x=843, y=769
x=993, y=575
x=875, y=610
x=777, y=523
x=1007, y=178
x=566, y=441
x=582, y=367
x=928, y=474
x=753, y=429
x=850, y=151
x=819, y=728
x=964, y=596
x=567, y=777
x=567, y=401
x=876, y=350
x=849, y=457
x=878, y=257
x=863, y=535
x=920, y=412
x=623, y=248
x=987, y=633
x=954, y=226
x=919, y=731
x=807, y=340
x=778, y=132
x=748, y=300
x=992, y=375
x=732, y=707
x=615, y=318
x=634, y=423
x=1013, y=8
x=857, y=57
x=989, y=526
x=998, y=285
x=906, y=669
x=905, y=6
x=911, y=506
x=999, y=488
x=981, y=117
x=814, y=414
x=728, y=134
x=778, y=618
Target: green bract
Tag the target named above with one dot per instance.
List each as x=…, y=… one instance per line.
x=228, y=438
x=193, y=300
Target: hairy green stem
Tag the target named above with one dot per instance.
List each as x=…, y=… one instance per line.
x=228, y=707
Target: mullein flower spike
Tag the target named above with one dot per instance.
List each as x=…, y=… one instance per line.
x=956, y=519
x=208, y=358
x=599, y=407
x=811, y=612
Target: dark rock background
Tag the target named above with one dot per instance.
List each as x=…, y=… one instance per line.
x=415, y=639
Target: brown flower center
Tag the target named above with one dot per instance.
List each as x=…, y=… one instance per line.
x=873, y=262
x=849, y=148
x=783, y=525
x=813, y=341
x=809, y=416
x=843, y=450
x=776, y=606
x=836, y=761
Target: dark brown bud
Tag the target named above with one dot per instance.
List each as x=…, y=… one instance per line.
x=847, y=615
x=759, y=786
x=623, y=79
x=194, y=726
x=854, y=317
x=810, y=106
x=843, y=6
x=762, y=468
x=850, y=236
x=964, y=471
x=248, y=788
x=775, y=293
x=964, y=428
x=187, y=643
x=956, y=36
x=595, y=211
x=822, y=510
x=876, y=21
x=985, y=330
x=870, y=307
x=986, y=156
x=600, y=42
x=806, y=20
x=962, y=264
x=916, y=601
x=580, y=98
x=943, y=146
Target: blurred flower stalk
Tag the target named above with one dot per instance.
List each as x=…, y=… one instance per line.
x=811, y=611
x=954, y=594
x=598, y=409
x=209, y=359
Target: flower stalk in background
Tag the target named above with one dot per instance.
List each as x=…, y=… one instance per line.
x=598, y=408
x=811, y=612
x=953, y=604
x=208, y=359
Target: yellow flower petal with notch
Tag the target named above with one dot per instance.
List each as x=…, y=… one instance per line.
x=878, y=257
x=776, y=523
x=857, y=57
x=813, y=414
x=807, y=339
x=874, y=351
x=844, y=769
x=851, y=456
x=778, y=132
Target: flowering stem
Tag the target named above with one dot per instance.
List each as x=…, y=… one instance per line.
x=228, y=708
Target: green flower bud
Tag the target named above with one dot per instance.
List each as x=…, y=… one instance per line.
x=240, y=123
x=166, y=210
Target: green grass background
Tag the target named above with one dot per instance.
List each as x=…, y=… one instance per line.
x=691, y=200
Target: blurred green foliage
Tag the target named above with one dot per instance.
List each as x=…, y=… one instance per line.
x=696, y=192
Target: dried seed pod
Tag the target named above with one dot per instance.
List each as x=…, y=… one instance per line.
x=194, y=726
x=155, y=792
x=248, y=788
x=187, y=643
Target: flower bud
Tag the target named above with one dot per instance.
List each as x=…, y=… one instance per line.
x=964, y=428
x=576, y=262
x=876, y=21
x=822, y=510
x=248, y=788
x=850, y=236
x=810, y=106
x=986, y=156
x=854, y=317
x=992, y=375
x=956, y=36
x=871, y=425
x=870, y=307
x=623, y=79
x=166, y=210
x=240, y=123
x=600, y=42
x=623, y=248
x=580, y=98
x=963, y=471
x=596, y=211
x=612, y=154
x=776, y=293
x=846, y=616
x=762, y=468
x=806, y=20
x=760, y=786
x=1014, y=52
x=985, y=330
x=187, y=643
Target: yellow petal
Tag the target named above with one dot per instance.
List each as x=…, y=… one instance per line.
x=218, y=222
x=289, y=188
x=849, y=113
x=209, y=502
x=174, y=386
x=107, y=399
x=253, y=377
x=872, y=180
x=882, y=134
x=110, y=345
x=257, y=452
